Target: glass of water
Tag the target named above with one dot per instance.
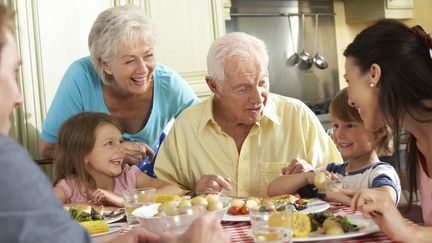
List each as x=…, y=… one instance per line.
x=272, y=226
x=135, y=198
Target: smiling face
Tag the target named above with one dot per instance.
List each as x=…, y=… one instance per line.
x=362, y=96
x=243, y=94
x=10, y=96
x=132, y=67
x=107, y=154
x=353, y=140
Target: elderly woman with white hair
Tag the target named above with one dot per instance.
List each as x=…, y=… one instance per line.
x=122, y=78
x=240, y=138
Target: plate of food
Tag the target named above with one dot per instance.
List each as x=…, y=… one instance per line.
x=240, y=207
x=95, y=219
x=348, y=226
x=317, y=227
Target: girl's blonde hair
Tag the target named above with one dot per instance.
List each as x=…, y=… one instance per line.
x=340, y=108
x=76, y=140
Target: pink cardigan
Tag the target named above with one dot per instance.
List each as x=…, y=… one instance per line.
x=126, y=180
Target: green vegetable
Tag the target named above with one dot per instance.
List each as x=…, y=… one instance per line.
x=82, y=216
x=317, y=220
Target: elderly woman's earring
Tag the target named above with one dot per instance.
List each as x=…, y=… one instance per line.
x=371, y=85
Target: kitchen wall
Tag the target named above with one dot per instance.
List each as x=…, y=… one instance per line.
x=345, y=32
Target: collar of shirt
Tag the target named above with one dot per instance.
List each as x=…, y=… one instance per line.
x=208, y=119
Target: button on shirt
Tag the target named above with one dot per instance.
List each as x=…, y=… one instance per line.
x=197, y=146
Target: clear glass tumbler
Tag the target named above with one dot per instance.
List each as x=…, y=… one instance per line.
x=135, y=198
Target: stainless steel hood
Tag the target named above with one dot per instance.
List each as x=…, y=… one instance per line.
x=268, y=20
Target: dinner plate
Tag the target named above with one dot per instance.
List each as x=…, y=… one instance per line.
x=117, y=216
x=367, y=226
x=114, y=227
x=313, y=206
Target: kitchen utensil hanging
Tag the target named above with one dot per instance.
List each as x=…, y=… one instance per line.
x=319, y=60
x=306, y=60
x=294, y=58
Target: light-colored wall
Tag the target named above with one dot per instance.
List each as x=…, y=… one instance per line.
x=345, y=32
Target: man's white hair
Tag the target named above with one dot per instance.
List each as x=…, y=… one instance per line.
x=239, y=45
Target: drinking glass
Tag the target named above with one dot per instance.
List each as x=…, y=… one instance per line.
x=272, y=226
x=135, y=198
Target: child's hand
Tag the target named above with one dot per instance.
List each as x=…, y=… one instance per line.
x=105, y=197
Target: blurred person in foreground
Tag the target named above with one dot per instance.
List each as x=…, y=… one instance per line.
x=388, y=69
x=29, y=210
x=122, y=78
x=240, y=138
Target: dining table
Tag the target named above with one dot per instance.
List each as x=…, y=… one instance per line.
x=239, y=230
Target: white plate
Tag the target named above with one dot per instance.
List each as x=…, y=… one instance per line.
x=114, y=219
x=114, y=227
x=367, y=226
x=313, y=206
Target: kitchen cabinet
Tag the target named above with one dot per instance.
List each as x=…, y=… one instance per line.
x=365, y=10
x=53, y=34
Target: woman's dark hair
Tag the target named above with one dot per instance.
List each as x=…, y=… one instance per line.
x=340, y=108
x=406, y=79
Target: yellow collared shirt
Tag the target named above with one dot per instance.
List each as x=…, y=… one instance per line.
x=196, y=145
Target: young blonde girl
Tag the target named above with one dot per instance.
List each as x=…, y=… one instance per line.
x=360, y=148
x=88, y=166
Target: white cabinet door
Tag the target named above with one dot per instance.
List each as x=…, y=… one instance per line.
x=186, y=30
x=50, y=35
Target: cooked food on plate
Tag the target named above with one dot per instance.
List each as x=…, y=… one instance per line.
x=90, y=218
x=278, y=203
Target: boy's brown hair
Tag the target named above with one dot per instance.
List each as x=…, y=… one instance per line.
x=340, y=108
x=76, y=140
x=7, y=24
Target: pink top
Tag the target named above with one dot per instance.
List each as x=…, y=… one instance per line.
x=126, y=180
x=425, y=189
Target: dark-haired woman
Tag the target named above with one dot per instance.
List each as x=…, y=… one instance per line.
x=389, y=73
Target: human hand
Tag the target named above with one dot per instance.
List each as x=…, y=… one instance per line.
x=381, y=209
x=100, y=196
x=138, y=234
x=136, y=152
x=296, y=166
x=206, y=228
x=212, y=184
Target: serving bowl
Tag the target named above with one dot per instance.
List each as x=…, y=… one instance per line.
x=159, y=223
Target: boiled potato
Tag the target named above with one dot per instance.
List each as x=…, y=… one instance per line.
x=237, y=202
x=214, y=205
x=200, y=200
x=335, y=230
x=185, y=203
x=251, y=203
x=320, y=180
x=212, y=198
x=170, y=208
x=328, y=222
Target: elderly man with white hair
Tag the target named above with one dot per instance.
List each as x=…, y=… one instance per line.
x=240, y=138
